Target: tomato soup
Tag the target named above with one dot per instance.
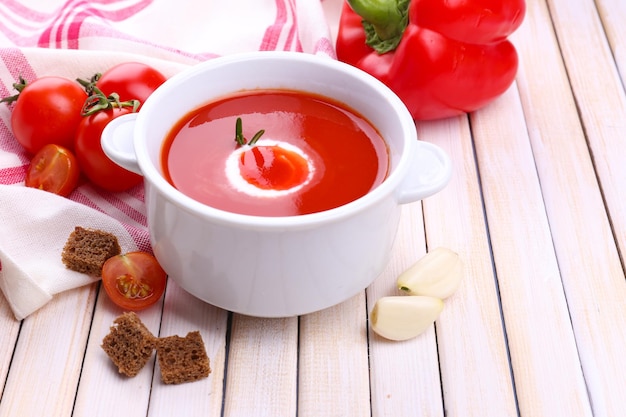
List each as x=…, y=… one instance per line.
x=309, y=154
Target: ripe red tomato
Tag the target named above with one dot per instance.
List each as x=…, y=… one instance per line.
x=131, y=81
x=134, y=280
x=47, y=110
x=54, y=169
x=93, y=162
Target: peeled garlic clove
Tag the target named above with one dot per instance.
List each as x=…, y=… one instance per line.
x=437, y=274
x=404, y=317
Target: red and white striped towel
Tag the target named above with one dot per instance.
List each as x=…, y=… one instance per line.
x=77, y=38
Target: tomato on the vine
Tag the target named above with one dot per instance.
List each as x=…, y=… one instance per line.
x=134, y=280
x=47, y=110
x=54, y=169
x=131, y=81
x=93, y=162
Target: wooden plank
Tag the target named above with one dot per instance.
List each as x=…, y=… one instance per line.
x=470, y=336
x=544, y=357
x=333, y=375
x=613, y=14
x=262, y=367
x=600, y=96
x=103, y=391
x=581, y=230
x=404, y=375
x=46, y=366
x=183, y=313
x=9, y=329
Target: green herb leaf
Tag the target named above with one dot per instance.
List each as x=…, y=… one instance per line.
x=240, y=139
x=256, y=137
x=239, y=132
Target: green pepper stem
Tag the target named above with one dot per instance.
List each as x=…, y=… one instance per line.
x=383, y=20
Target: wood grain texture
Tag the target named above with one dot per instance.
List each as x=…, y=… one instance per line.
x=103, y=391
x=418, y=392
x=582, y=233
x=544, y=357
x=48, y=357
x=9, y=329
x=537, y=210
x=262, y=367
x=612, y=14
x=333, y=378
x=600, y=96
x=470, y=335
x=183, y=313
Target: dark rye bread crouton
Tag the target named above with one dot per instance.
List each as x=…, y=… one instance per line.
x=86, y=250
x=182, y=359
x=129, y=344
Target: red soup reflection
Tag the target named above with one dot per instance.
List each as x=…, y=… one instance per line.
x=313, y=154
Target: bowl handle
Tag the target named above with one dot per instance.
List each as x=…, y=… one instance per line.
x=117, y=142
x=430, y=172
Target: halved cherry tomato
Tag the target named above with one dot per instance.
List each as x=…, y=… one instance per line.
x=54, y=169
x=47, y=110
x=131, y=81
x=93, y=162
x=134, y=280
x=273, y=167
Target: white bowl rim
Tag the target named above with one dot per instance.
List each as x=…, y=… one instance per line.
x=382, y=191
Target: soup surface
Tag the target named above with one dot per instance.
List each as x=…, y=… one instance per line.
x=313, y=154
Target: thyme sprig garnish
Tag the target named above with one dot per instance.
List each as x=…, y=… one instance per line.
x=240, y=139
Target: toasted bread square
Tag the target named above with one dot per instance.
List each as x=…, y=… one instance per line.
x=86, y=250
x=129, y=344
x=182, y=359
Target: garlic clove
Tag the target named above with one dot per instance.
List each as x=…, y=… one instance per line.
x=437, y=274
x=404, y=317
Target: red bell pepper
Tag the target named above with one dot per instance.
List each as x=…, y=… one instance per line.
x=441, y=57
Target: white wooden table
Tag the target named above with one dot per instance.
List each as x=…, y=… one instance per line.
x=537, y=210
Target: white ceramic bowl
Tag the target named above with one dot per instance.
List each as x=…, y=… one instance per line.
x=275, y=266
